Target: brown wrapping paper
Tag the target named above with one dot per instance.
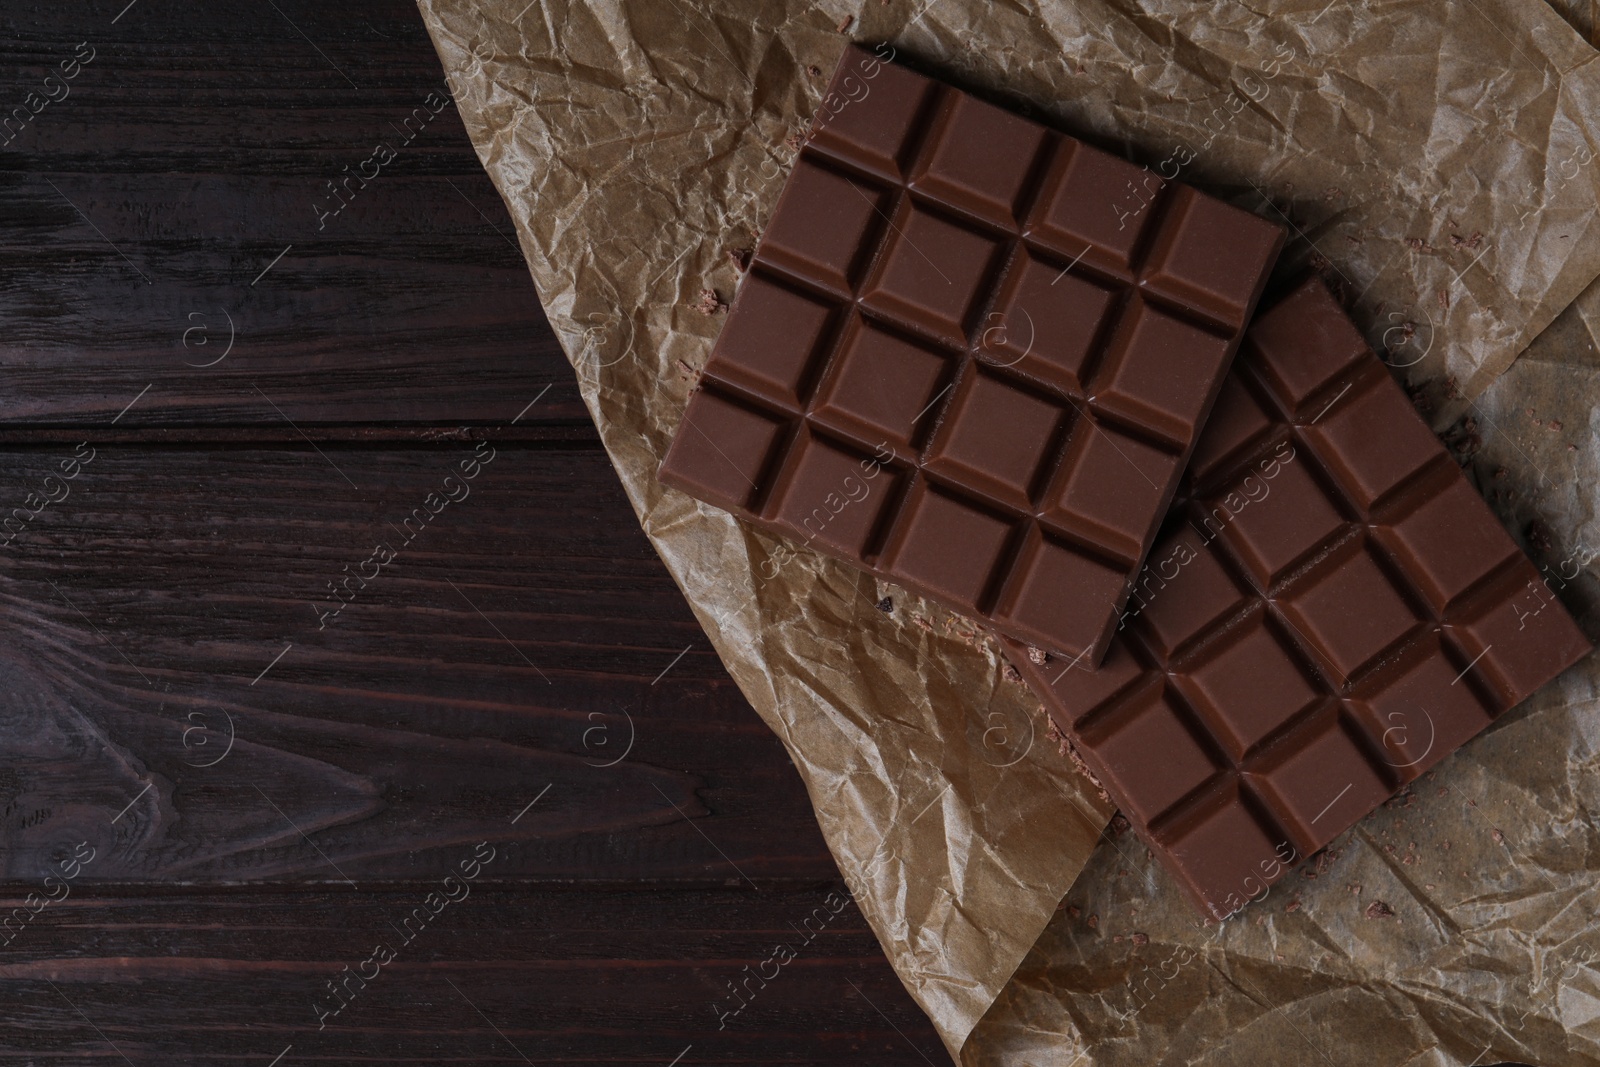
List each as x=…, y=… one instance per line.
x=1433, y=161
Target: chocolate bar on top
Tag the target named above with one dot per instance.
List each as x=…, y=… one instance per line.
x=971, y=355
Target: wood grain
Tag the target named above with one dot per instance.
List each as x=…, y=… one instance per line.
x=267, y=793
x=196, y=147
x=596, y=974
x=523, y=638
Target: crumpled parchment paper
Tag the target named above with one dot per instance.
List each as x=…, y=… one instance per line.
x=1460, y=924
x=1434, y=161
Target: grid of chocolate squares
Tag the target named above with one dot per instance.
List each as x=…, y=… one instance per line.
x=980, y=314
x=995, y=365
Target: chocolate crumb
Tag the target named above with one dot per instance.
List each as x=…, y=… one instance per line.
x=886, y=605
x=1011, y=673
x=1117, y=939
x=1293, y=905
x=1379, y=910
x=1444, y=299
x=1499, y=838
x=1355, y=887
x=709, y=303
x=1073, y=911
x=1140, y=939
x=1093, y=922
x=1037, y=656
x=1463, y=437
x=846, y=23
x=794, y=142
x=740, y=258
x=1417, y=244
x=814, y=70
x=1538, y=536
x=1082, y=768
x=1555, y=424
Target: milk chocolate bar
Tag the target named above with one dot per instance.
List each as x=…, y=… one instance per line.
x=1330, y=610
x=971, y=355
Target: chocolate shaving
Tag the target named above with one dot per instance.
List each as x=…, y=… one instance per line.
x=709, y=303
x=1538, y=536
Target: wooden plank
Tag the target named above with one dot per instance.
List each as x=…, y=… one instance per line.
x=502, y=975
x=522, y=638
x=203, y=181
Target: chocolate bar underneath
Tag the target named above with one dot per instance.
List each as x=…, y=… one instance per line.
x=1330, y=610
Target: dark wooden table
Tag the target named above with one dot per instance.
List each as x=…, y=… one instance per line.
x=508, y=758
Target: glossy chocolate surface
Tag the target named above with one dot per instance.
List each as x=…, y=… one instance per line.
x=972, y=355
